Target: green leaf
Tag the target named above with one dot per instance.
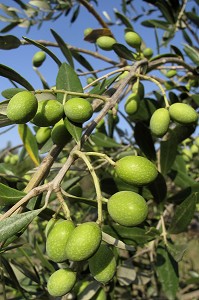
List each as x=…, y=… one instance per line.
x=155, y=23
x=177, y=51
x=4, y=121
x=183, y=214
x=8, y=42
x=81, y=60
x=144, y=140
x=13, y=75
x=146, y=109
x=102, y=140
x=9, y=196
x=124, y=19
x=183, y=194
x=101, y=88
x=158, y=188
x=40, y=46
x=168, y=152
x=29, y=142
x=9, y=93
x=193, y=17
x=67, y=80
x=16, y=223
x=42, y=5
x=176, y=251
x=187, y=37
x=75, y=129
x=167, y=272
x=66, y=52
x=123, y=52
x=192, y=53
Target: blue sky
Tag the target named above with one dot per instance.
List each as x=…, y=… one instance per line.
x=21, y=59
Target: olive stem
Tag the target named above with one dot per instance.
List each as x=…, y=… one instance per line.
x=84, y=95
x=164, y=232
x=96, y=184
x=103, y=155
x=158, y=84
x=63, y=205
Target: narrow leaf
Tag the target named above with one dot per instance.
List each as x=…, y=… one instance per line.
x=51, y=54
x=123, y=52
x=167, y=272
x=124, y=19
x=102, y=140
x=67, y=80
x=63, y=46
x=13, y=75
x=81, y=60
x=8, y=42
x=176, y=251
x=156, y=24
x=183, y=214
x=192, y=53
x=75, y=129
x=168, y=152
x=29, y=142
x=16, y=223
x=8, y=195
x=10, y=92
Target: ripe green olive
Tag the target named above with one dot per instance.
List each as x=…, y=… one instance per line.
x=78, y=110
x=171, y=73
x=183, y=113
x=133, y=39
x=42, y=135
x=136, y=170
x=22, y=107
x=102, y=264
x=57, y=239
x=105, y=42
x=61, y=282
x=138, y=88
x=132, y=104
x=148, y=53
x=159, y=122
x=83, y=241
x=38, y=58
x=60, y=134
x=127, y=208
x=48, y=113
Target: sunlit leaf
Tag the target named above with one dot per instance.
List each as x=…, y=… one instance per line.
x=75, y=129
x=29, y=142
x=102, y=140
x=156, y=24
x=9, y=93
x=43, y=5
x=193, y=53
x=124, y=19
x=176, y=251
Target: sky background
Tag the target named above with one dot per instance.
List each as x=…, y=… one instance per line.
x=20, y=59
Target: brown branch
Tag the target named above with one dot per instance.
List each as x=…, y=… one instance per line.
x=90, y=8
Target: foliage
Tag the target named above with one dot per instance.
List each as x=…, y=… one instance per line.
x=73, y=179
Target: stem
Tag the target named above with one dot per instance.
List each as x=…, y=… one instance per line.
x=63, y=205
x=103, y=155
x=96, y=184
x=158, y=84
x=164, y=232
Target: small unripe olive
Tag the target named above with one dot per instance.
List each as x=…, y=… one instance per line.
x=38, y=58
x=159, y=122
x=138, y=88
x=48, y=113
x=42, y=135
x=51, y=223
x=187, y=154
x=78, y=110
x=87, y=31
x=102, y=264
x=127, y=208
x=136, y=170
x=61, y=282
x=22, y=107
x=171, y=73
x=194, y=149
x=148, y=53
x=60, y=134
x=83, y=241
x=132, y=104
x=133, y=39
x=183, y=113
x=105, y=42
x=57, y=239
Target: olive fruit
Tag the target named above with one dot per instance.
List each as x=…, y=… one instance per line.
x=22, y=107
x=78, y=110
x=138, y=88
x=100, y=295
x=105, y=42
x=61, y=282
x=51, y=223
x=171, y=73
x=42, y=135
x=148, y=53
x=60, y=134
x=57, y=239
x=127, y=208
x=133, y=39
x=48, y=113
x=197, y=141
x=136, y=170
x=132, y=104
x=187, y=154
x=183, y=113
x=159, y=122
x=102, y=264
x=38, y=58
x=194, y=149
x=87, y=31
x=83, y=241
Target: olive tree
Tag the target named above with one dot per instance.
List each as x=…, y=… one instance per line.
x=100, y=200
